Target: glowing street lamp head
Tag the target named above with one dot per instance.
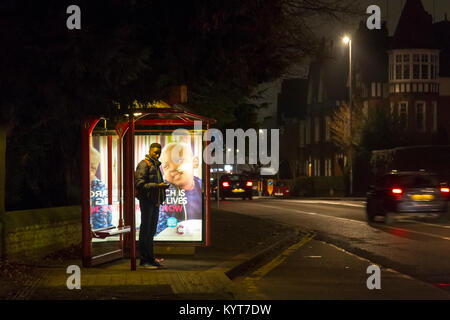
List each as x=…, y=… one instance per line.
x=346, y=39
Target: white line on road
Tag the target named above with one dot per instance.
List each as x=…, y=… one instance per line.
x=359, y=206
x=341, y=203
x=355, y=221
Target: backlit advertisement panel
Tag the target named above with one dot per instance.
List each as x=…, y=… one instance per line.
x=181, y=214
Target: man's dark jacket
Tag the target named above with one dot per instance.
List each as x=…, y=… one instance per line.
x=146, y=181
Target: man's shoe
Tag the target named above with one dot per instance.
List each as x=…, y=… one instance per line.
x=158, y=265
x=149, y=266
x=155, y=263
x=159, y=260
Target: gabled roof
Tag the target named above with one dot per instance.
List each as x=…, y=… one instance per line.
x=415, y=28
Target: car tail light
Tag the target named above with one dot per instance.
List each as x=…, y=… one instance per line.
x=225, y=184
x=397, y=191
x=445, y=190
x=249, y=184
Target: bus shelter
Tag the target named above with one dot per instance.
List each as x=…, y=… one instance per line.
x=111, y=150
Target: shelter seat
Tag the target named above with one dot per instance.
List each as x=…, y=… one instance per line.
x=111, y=231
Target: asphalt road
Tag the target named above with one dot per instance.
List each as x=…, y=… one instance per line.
x=414, y=255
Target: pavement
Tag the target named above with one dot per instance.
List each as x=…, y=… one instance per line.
x=237, y=243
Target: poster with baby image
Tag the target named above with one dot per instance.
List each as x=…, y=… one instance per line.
x=181, y=214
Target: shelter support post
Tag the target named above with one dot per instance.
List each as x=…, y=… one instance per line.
x=2, y=190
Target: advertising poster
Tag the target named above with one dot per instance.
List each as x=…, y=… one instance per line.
x=104, y=209
x=181, y=214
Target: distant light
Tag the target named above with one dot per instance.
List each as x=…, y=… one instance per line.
x=228, y=167
x=137, y=114
x=229, y=149
x=397, y=191
x=346, y=39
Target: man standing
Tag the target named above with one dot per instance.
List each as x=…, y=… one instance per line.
x=150, y=190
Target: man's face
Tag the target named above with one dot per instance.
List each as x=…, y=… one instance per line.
x=179, y=168
x=155, y=153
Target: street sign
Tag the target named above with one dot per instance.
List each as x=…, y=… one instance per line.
x=270, y=186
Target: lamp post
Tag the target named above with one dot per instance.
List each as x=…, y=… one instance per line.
x=348, y=41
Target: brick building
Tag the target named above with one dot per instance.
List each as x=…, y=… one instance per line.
x=407, y=73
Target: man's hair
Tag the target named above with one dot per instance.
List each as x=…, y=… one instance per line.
x=155, y=145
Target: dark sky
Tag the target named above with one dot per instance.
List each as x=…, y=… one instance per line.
x=390, y=11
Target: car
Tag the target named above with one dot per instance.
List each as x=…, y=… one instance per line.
x=233, y=186
x=281, y=189
x=407, y=193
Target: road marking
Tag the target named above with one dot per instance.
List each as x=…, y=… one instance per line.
x=326, y=202
x=250, y=282
x=312, y=213
x=357, y=221
x=427, y=224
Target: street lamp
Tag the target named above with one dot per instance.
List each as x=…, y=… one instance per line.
x=348, y=41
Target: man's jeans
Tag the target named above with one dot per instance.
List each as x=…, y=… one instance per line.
x=149, y=221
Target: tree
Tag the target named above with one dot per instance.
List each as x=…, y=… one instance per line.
x=52, y=77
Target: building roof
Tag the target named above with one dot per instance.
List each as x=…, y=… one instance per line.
x=415, y=28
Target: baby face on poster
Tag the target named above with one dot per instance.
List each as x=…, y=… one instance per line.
x=179, y=163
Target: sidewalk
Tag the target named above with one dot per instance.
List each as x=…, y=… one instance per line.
x=237, y=241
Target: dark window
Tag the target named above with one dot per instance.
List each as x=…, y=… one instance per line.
x=406, y=71
x=398, y=71
x=416, y=181
x=424, y=71
x=420, y=116
x=416, y=71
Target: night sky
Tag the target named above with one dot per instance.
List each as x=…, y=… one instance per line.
x=390, y=11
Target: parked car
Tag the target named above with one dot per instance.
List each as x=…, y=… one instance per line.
x=408, y=193
x=281, y=189
x=233, y=186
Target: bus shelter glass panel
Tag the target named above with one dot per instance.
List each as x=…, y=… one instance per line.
x=181, y=216
x=105, y=191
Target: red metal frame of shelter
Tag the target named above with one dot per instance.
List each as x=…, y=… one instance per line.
x=158, y=117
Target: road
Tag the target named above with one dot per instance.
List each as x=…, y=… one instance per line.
x=414, y=255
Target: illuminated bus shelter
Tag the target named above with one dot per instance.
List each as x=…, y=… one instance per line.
x=111, y=150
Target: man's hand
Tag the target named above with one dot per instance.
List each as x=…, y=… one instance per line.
x=163, y=185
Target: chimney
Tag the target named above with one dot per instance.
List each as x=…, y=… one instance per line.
x=177, y=95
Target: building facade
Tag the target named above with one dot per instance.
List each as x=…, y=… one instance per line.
x=408, y=74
